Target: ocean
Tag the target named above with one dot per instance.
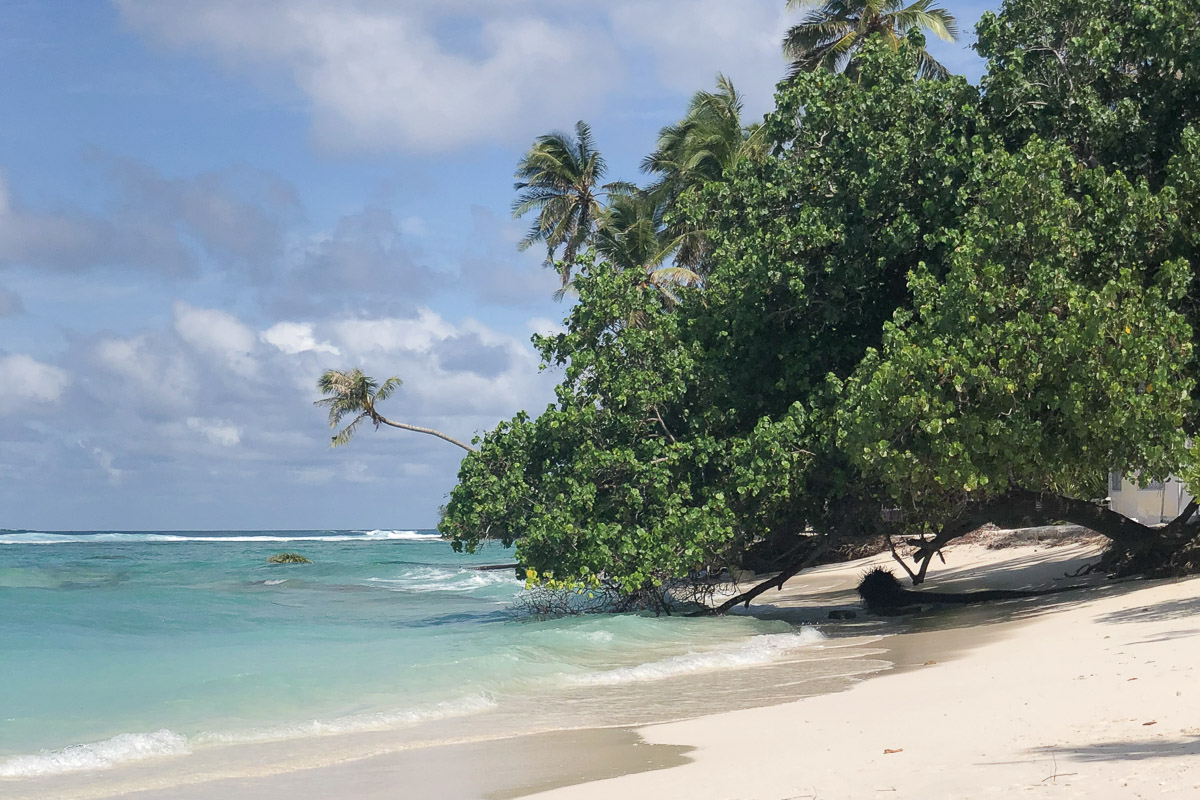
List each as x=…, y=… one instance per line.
x=127, y=647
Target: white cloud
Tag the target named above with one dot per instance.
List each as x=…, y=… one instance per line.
x=296, y=337
x=413, y=226
x=233, y=217
x=104, y=460
x=160, y=411
x=422, y=75
x=29, y=383
x=71, y=240
x=153, y=368
x=544, y=326
x=692, y=40
x=361, y=336
x=219, y=432
x=218, y=335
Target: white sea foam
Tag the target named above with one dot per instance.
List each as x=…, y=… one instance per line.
x=354, y=723
x=37, y=537
x=97, y=755
x=409, y=535
x=436, y=579
x=759, y=650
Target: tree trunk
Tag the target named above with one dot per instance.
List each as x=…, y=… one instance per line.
x=417, y=428
x=1136, y=547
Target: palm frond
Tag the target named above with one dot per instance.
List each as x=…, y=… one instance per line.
x=921, y=16
x=344, y=436
x=386, y=389
x=928, y=67
x=567, y=288
x=833, y=31
x=678, y=275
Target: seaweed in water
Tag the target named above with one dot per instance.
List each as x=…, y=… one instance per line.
x=288, y=558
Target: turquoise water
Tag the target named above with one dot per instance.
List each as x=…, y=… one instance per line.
x=117, y=647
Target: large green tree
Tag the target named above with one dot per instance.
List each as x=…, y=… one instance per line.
x=1117, y=81
x=910, y=310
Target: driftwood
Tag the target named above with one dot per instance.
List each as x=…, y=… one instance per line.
x=881, y=592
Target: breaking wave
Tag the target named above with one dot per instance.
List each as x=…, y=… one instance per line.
x=128, y=747
x=97, y=755
x=759, y=650
x=435, y=579
x=354, y=723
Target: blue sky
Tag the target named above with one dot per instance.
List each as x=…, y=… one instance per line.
x=205, y=203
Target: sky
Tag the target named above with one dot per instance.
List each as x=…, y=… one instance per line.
x=206, y=203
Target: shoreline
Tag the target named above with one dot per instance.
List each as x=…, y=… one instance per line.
x=1091, y=698
x=573, y=759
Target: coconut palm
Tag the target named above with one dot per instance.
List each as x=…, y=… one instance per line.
x=559, y=178
x=631, y=238
x=699, y=149
x=834, y=30
x=707, y=141
x=354, y=394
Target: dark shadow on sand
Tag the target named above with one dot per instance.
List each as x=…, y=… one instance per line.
x=1126, y=751
x=1159, y=612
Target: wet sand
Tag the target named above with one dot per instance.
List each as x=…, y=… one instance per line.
x=492, y=770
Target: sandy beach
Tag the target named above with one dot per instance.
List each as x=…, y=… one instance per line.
x=1094, y=695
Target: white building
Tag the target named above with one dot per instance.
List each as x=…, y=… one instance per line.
x=1154, y=503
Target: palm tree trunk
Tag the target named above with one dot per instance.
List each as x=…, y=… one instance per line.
x=430, y=431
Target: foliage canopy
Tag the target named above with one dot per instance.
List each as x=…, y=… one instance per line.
x=925, y=306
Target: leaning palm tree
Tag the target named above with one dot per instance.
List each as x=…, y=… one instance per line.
x=699, y=149
x=354, y=394
x=834, y=30
x=559, y=178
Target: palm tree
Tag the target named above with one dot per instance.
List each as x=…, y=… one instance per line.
x=559, y=178
x=631, y=238
x=353, y=393
x=699, y=149
x=835, y=29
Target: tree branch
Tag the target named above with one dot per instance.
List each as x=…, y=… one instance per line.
x=776, y=581
x=666, y=430
x=1022, y=508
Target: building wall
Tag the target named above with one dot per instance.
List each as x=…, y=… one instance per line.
x=1149, y=505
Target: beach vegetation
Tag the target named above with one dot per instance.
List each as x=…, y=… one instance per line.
x=700, y=148
x=899, y=308
x=923, y=307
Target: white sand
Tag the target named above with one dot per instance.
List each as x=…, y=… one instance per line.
x=1095, y=696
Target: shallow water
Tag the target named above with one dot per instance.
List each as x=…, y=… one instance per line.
x=126, y=647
